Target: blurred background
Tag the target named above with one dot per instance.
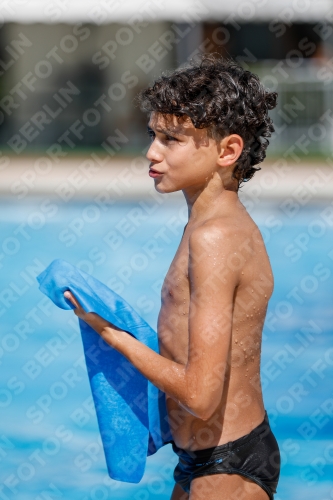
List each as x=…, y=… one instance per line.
x=74, y=185
x=73, y=57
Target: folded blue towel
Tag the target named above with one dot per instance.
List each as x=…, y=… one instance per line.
x=131, y=412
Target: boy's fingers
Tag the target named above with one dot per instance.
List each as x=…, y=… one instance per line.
x=71, y=297
x=92, y=319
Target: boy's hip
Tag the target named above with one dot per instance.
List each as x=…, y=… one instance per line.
x=255, y=456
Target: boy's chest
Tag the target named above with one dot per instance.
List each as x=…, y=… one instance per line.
x=175, y=288
x=175, y=299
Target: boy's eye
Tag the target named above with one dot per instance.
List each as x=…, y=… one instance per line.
x=151, y=133
x=152, y=136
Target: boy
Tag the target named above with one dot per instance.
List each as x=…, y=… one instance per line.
x=209, y=123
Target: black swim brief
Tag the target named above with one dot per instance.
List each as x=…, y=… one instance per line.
x=255, y=456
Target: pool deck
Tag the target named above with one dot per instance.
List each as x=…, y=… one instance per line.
x=85, y=177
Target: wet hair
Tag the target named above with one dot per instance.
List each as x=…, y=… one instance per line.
x=218, y=94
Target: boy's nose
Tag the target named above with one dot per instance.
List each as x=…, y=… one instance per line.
x=153, y=154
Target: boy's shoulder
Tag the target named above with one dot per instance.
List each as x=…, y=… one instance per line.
x=228, y=240
x=213, y=230
x=214, y=241
x=224, y=230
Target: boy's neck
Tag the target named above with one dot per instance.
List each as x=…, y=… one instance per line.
x=211, y=200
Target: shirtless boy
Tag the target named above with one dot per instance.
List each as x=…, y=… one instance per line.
x=208, y=124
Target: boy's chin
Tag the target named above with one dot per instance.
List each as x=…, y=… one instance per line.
x=161, y=188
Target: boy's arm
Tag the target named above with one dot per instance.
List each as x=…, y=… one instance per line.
x=198, y=385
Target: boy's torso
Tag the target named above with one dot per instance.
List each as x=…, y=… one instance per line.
x=241, y=408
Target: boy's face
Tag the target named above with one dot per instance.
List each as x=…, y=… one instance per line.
x=185, y=157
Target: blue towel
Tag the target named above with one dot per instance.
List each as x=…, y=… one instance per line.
x=131, y=412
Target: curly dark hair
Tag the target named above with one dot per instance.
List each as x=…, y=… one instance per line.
x=219, y=94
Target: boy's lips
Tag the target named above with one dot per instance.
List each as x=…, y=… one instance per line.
x=154, y=173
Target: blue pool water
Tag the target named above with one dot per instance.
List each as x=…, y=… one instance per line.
x=49, y=443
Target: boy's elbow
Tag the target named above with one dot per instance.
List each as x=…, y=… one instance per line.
x=204, y=410
x=202, y=402
x=206, y=413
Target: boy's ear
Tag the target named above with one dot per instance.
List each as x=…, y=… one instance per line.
x=231, y=149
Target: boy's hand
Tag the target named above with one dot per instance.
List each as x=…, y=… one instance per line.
x=101, y=326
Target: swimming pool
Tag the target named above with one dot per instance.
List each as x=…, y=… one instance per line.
x=49, y=444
